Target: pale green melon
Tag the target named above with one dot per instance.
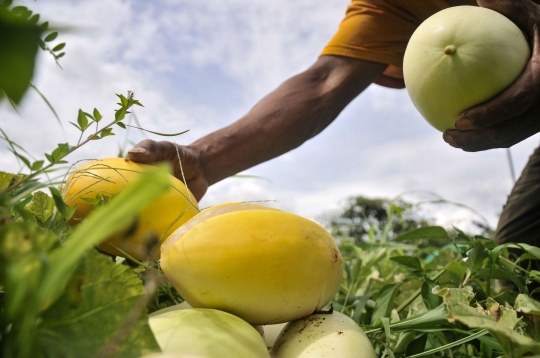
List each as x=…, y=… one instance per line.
x=207, y=333
x=323, y=335
x=460, y=57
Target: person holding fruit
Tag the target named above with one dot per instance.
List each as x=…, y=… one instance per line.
x=368, y=48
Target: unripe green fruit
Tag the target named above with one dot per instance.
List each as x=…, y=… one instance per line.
x=460, y=57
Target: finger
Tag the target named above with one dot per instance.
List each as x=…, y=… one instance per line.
x=493, y=136
x=524, y=13
x=524, y=134
x=149, y=151
x=500, y=136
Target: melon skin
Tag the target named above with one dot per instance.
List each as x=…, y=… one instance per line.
x=206, y=333
x=461, y=57
x=265, y=266
x=107, y=177
x=323, y=335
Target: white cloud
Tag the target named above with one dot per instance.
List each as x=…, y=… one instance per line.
x=199, y=65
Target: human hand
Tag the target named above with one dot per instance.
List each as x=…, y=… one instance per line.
x=151, y=152
x=514, y=114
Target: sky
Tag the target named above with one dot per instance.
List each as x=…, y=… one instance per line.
x=200, y=65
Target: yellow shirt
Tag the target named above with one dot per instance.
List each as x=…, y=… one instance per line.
x=379, y=30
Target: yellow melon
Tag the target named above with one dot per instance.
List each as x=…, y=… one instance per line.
x=263, y=265
x=100, y=180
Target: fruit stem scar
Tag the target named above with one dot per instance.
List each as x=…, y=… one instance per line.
x=449, y=50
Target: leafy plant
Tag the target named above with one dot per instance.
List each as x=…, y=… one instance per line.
x=366, y=220
x=468, y=298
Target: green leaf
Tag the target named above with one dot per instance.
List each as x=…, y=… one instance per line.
x=44, y=26
x=34, y=19
x=121, y=125
x=66, y=211
x=18, y=49
x=60, y=55
x=461, y=236
x=120, y=114
x=475, y=258
x=432, y=318
x=37, y=165
x=50, y=37
x=60, y=152
x=24, y=159
x=458, y=268
x=88, y=115
x=19, y=10
x=530, y=310
x=427, y=232
x=417, y=346
x=431, y=300
x=59, y=47
x=385, y=302
x=97, y=115
x=21, y=248
x=8, y=179
x=500, y=273
x=454, y=295
x=106, y=132
x=41, y=206
x=513, y=343
x=360, y=305
x=95, y=310
x=82, y=120
x=123, y=100
x=99, y=200
x=410, y=263
x=76, y=126
x=101, y=224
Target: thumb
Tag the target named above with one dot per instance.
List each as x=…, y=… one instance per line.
x=149, y=151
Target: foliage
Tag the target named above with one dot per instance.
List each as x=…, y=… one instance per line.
x=21, y=38
x=365, y=220
x=468, y=298
x=58, y=296
x=417, y=290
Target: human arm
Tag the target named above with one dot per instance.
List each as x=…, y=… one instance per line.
x=514, y=114
x=296, y=111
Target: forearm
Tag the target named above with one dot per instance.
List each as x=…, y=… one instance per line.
x=296, y=111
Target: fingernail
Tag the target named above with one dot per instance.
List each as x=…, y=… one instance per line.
x=464, y=124
x=448, y=139
x=140, y=150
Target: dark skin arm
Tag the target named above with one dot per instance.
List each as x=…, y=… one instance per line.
x=296, y=111
x=514, y=114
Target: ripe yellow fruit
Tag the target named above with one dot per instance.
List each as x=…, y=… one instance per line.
x=104, y=178
x=460, y=57
x=263, y=265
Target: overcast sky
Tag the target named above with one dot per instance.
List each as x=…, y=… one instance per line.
x=200, y=65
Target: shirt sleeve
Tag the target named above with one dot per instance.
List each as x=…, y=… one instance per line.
x=378, y=31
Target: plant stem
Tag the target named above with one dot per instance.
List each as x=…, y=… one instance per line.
x=453, y=344
x=415, y=294
x=409, y=300
x=50, y=165
x=513, y=264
